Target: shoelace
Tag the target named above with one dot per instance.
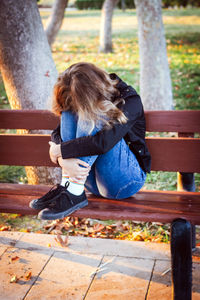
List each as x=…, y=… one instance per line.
x=56, y=185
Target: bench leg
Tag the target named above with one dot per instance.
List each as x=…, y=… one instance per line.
x=181, y=259
x=186, y=182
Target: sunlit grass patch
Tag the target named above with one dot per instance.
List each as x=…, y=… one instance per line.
x=16, y=222
x=181, y=20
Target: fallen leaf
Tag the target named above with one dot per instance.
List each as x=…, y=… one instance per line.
x=60, y=241
x=4, y=228
x=13, y=279
x=98, y=227
x=103, y=267
x=25, y=230
x=14, y=258
x=28, y=276
x=195, y=258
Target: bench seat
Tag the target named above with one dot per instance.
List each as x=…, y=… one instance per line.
x=150, y=206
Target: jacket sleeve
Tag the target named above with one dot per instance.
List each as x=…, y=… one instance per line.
x=105, y=139
x=55, y=135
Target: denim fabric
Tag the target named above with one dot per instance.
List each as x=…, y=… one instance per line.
x=115, y=174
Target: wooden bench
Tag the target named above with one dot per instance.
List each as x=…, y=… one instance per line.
x=178, y=153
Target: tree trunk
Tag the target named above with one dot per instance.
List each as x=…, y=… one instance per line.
x=155, y=81
x=55, y=20
x=123, y=5
x=106, y=26
x=26, y=64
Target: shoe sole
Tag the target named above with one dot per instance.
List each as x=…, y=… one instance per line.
x=62, y=214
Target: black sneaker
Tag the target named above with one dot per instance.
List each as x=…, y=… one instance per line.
x=45, y=200
x=64, y=205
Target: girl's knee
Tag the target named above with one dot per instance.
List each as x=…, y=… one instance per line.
x=129, y=190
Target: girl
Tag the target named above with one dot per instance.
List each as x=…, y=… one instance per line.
x=100, y=142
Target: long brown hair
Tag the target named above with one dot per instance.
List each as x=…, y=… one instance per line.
x=90, y=92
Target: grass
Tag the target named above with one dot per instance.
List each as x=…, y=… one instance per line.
x=78, y=41
x=12, y=174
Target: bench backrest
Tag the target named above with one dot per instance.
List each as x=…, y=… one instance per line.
x=177, y=152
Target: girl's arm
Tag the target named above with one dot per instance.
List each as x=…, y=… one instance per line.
x=105, y=139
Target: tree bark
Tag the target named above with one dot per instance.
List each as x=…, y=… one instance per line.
x=55, y=20
x=26, y=65
x=106, y=26
x=155, y=81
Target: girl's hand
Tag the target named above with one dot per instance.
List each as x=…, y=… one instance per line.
x=74, y=168
x=54, y=152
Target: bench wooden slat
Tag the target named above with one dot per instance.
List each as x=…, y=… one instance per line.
x=144, y=206
x=168, y=154
x=143, y=195
x=25, y=150
x=28, y=119
x=24, y=189
x=145, y=202
x=174, y=154
x=173, y=121
x=156, y=121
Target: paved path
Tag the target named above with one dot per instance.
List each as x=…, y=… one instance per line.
x=91, y=269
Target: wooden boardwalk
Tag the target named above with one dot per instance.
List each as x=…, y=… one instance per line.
x=91, y=269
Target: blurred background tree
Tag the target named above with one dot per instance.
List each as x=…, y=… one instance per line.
x=155, y=80
x=55, y=20
x=27, y=66
x=106, y=26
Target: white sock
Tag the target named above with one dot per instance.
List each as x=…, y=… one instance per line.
x=65, y=178
x=75, y=187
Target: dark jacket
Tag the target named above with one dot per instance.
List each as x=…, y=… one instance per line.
x=133, y=132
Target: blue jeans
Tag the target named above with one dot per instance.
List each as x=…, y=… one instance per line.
x=115, y=174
